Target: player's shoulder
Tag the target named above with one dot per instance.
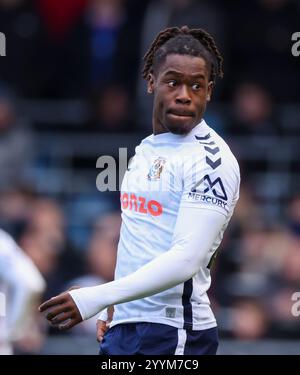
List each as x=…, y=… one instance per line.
x=144, y=143
x=206, y=144
x=219, y=145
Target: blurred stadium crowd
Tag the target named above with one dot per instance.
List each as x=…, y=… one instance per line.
x=71, y=90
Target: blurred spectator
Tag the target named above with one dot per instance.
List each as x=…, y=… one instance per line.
x=47, y=217
x=44, y=240
x=81, y=45
x=293, y=215
x=255, y=260
x=61, y=53
x=22, y=27
x=252, y=111
x=43, y=250
x=249, y=320
x=287, y=282
x=247, y=213
x=59, y=17
x=101, y=259
x=15, y=143
x=15, y=207
x=290, y=266
x=105, y=21
x=111, y=110
x=260, y=35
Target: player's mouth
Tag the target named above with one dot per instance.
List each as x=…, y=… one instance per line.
x=180, y=113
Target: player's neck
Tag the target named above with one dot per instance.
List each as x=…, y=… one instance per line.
x=158, y=128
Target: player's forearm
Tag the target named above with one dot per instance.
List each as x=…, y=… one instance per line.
x=162, y=273
x=175, y=266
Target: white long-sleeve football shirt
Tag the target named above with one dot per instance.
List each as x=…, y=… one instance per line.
x=177, y=198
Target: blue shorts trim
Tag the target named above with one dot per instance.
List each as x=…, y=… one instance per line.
x=156, y=339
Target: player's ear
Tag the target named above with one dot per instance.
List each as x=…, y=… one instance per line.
x=209, y=91
x=150, y=84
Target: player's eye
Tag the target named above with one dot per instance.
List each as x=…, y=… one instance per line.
x=196, y=86
x=172, y=83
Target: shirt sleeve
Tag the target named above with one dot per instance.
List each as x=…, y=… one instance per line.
x=195, y=233
x=210, y=183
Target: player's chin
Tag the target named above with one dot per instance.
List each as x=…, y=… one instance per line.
x=181, y=126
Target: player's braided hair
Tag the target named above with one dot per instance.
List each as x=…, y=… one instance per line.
x=184, y=41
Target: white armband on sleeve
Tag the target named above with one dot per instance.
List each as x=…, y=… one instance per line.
x=195, y=232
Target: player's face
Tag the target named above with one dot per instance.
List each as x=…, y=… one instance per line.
x=181, y=90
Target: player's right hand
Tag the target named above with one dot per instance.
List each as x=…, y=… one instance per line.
x=61, y=311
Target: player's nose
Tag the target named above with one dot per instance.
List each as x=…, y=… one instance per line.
x=183, y=95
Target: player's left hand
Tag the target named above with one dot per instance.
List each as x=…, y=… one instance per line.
x=61, y=311
x=103, y=325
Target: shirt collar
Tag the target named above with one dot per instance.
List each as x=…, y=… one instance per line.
x=201, y=130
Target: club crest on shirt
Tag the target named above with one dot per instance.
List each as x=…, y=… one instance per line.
x=156, y=169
